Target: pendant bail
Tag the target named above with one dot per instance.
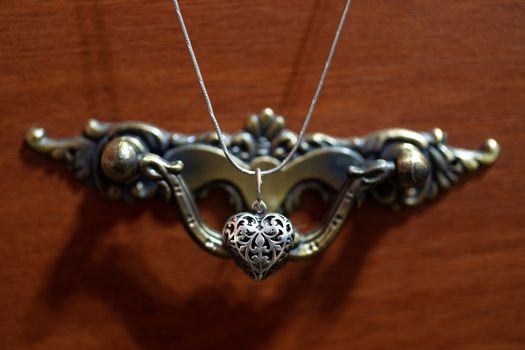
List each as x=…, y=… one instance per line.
x=259, y=206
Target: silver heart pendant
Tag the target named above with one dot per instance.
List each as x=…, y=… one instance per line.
x=259, y=243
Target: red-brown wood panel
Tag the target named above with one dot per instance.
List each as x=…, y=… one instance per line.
x=79, y=271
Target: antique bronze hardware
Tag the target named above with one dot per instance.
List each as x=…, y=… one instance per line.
x=135, y=160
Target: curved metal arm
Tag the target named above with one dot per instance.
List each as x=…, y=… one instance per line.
x=351, y=194
x=167, y=175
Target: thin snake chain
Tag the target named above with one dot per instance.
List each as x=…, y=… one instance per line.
x=209, y=105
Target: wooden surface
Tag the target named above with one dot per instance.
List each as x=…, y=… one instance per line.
x=78, y=271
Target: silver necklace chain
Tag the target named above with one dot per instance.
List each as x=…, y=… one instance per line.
x=209, y=105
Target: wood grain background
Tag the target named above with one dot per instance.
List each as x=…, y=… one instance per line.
x=79, y=271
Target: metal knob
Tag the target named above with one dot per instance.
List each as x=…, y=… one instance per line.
x=120, y=158
x=412, y=166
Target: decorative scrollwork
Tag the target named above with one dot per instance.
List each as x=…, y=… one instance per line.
x=76, y=151
x=259, y=243
x=133, y=160
x=425, y=164
x=264, y=135
x=107, y=155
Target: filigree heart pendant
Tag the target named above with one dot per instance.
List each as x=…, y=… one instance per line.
x=259, y=243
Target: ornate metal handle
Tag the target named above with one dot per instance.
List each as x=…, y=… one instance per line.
x=134, y=160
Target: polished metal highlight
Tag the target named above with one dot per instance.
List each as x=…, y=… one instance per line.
x=260, y=242
x=134, y=160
